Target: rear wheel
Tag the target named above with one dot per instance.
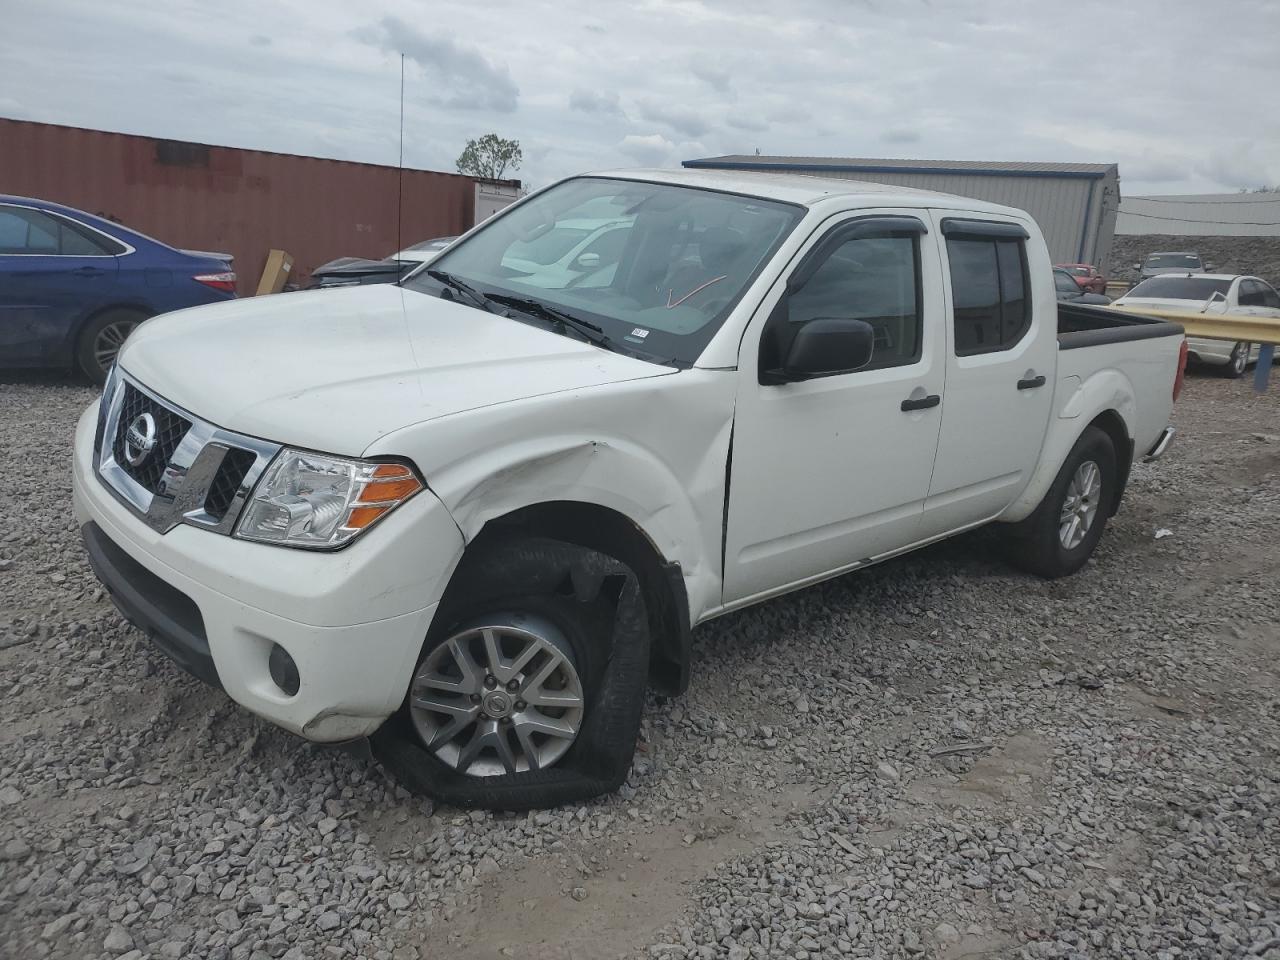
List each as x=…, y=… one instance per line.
x=1239, y=361
x=529, y=689
x=1059, y=537
x=102, y=339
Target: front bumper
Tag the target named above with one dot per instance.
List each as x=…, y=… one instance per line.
x=1210, y=351
x=353, y=621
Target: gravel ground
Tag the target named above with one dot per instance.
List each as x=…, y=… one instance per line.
x=937, y=757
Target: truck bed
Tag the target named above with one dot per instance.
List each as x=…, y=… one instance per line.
x=1117, y=364
x=1080, y=325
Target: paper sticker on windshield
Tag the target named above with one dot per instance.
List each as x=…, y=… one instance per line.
x=639, y=333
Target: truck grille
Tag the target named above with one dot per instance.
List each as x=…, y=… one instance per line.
x=235, y=466
x=194, y=472
x=170, y=429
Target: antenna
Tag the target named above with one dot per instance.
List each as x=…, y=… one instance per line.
x=400, y=171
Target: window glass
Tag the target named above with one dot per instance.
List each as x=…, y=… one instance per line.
x=1270, y=298
x=76, y=243
x=42, y=233
x=1180, y=288
x=1065, y=284
x=1250, y=294
x=975, y=289
x=13, y=232
x=548, y=248
x=989, y=293
x=1016, y=316
x=875, y=279
x=661, y=288
x=27, y=231
x=1173, y=261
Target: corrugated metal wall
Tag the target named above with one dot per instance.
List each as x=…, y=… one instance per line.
x=243, y=202
x=1058, y=205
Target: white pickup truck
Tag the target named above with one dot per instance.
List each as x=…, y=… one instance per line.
x=472, y=516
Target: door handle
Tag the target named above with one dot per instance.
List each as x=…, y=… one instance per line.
x=1031, y=383
x=89, y=271
x=922, y=403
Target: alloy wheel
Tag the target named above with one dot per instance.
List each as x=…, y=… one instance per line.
x=109, y=341
x=498, y=698
x=1240, y=358
x=1080, y=507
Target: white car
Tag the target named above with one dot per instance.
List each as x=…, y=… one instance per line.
x=568, y=253
x=422, y=252
x=475, y=516
x=1210, y=293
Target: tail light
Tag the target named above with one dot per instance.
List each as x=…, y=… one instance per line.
x=226, y=282
x=1182, y=370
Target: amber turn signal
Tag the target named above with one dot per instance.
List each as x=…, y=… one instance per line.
x=390, y=483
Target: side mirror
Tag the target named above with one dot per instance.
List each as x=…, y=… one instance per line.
x=823, y=347
x=1137, y=266
x=1210, y=267
x=588, y=261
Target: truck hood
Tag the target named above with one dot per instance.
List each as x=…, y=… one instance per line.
x=335, y=370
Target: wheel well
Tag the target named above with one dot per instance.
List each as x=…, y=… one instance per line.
x=142, y=311
x=662, y=584
x=1112, y=424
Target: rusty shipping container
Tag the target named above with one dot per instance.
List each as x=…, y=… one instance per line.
x=242, y=202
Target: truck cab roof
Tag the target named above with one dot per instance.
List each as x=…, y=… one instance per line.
x=809, y=190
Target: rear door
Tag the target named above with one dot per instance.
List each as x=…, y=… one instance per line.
x=828, y=472
x=1257, y=299
x=1001, y=360
x=53, y=273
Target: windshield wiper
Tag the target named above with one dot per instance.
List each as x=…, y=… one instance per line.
x=588, y=330
x=477, y=298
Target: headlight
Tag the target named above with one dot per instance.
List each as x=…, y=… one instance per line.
x=319, y=502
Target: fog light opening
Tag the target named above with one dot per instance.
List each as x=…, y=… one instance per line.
x=284, y=672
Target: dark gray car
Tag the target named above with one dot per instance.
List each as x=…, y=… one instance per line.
x=1175, y=262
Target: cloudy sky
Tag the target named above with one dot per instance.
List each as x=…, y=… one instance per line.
x=1181, y=93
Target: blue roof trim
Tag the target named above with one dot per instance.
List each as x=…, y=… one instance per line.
x=864, y=168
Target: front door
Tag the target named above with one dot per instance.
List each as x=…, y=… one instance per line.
x=50, y=277
x=828, y=472
x=1001, y=361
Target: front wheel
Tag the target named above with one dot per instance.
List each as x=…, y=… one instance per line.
x=530, y=685
x=1239, y=361
x=1059, y=537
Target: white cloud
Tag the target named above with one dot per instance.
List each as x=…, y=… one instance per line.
x=463, y=77
x=650, y=150
x=596, y=86
x=590, y=101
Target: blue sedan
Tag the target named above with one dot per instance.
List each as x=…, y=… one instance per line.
x=73, y=286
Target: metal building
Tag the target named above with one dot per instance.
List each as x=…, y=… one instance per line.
x=242, y=202
x=1074, y=203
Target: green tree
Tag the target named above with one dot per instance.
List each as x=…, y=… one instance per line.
x=490, y=157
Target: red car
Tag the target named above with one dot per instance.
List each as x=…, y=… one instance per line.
x=1090, y=280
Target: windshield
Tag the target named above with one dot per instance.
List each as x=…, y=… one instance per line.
x=1175, y=261
x=656, y=267
x=1180, y=288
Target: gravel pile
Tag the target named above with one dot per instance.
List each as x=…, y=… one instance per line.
x=938, y=757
